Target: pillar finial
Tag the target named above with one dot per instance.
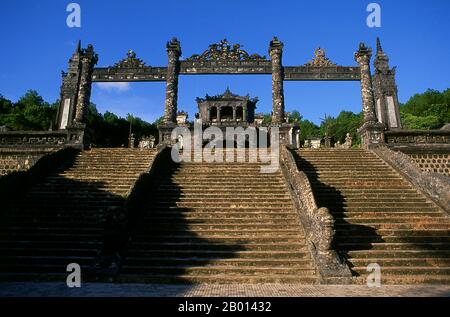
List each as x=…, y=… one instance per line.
x=78, y=50
x=379, y=48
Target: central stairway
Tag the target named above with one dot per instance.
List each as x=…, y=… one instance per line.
x=60, y=219
x=380, y=218
x=219, y=223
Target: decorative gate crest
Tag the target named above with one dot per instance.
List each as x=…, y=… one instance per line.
x=320, y=59
x=224, y=51
x=131, y=61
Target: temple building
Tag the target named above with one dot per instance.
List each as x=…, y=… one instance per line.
x=227, y=109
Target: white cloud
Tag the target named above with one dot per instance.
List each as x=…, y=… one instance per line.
x=117, y=87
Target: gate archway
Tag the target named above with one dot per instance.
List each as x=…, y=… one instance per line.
x=224, y=58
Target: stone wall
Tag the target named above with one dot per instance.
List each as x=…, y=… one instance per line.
x=19, y=160
x=436, y=163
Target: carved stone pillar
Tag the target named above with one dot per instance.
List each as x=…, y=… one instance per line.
x=276, y=52
x=362, y=56
x=234, y=113
x=372, y=131
x=88, y=61
x=387, y=105
x=244, y=114
x=173, y=71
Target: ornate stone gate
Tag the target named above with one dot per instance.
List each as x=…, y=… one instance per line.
x=225, y=58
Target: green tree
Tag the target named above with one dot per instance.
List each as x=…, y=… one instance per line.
x=428, y=110
x=30, y=112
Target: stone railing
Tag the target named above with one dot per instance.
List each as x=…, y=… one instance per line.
x=416, y=141
x=435, y=186
x=40, y=139
x=317, y=222
x=119, y=222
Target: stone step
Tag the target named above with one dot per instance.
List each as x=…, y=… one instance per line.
x=200, y=214
x=379, y=204
x=391, y=209
x=237, y=233
x=214, y=254
x=389, y=279
x=160, y=226
x=406, y=220
x=214, y=270
x=49, y=235
x=48, y=252
x=227, y=278
x=398, y=254
x=392, y=247
x=214, y=246
x=394, y=226
x=176, y=221
x=39, y=228
x=377, y=215
x=368, y=239
x=143, y=240
x=36, y=260
x=214, y=196
x=50, y=243
x=407, y=262
x=404, y=270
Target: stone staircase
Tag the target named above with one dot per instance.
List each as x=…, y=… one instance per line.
x=219, y=223
x=380, y=218
x=60, y=219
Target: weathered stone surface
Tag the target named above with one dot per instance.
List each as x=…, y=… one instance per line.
x=438, y=163
x=362, y=57
x=276, y=54
x=380, y=217
x=173, y=71
x=385, y=90
x=318, y=222
x=435, y=186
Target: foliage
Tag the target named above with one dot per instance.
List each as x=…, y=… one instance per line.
x=429, y=110
x=30, y=112
x=110, y=130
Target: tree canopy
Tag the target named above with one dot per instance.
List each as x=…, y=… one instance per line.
x=31, y=112
x=428, y=110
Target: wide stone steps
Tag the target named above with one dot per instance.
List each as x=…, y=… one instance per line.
x=213, y=221
x=406, y=262
x=379, y=217
x=219, y=278
x=219, y=270
x=219, y=223
x=60, y=220
x=218, y=246
x=216, y=239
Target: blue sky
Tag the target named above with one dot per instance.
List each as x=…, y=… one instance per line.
x=36, y=45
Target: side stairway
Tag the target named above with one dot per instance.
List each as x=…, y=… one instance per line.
x=60, y=220
x=380, y=217
x=220, y=223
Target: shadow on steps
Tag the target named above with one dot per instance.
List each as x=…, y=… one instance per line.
x=164, y=247
x=57, y=222
x=331, y=198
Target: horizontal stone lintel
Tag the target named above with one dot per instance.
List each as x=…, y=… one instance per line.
x=291, y=73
